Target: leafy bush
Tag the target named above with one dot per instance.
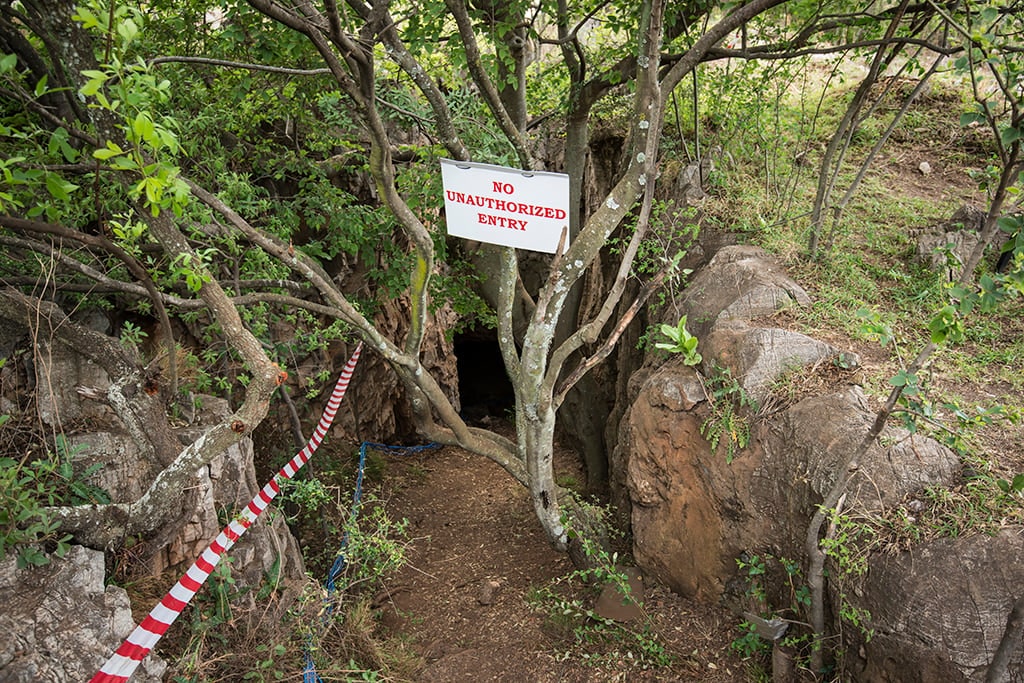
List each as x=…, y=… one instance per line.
x=28, y=488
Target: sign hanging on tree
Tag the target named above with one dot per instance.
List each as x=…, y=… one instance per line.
x=506, y=206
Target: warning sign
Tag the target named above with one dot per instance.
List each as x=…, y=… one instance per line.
x=506, y=206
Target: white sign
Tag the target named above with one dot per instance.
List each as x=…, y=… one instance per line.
x=498, y=205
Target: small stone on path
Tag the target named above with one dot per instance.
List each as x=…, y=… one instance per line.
x=612, y=604
x=488, y=591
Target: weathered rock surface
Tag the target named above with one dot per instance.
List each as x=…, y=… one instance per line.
x=759, y=356
x=738, y=283
x=226, y=485
x=938, y=610
x=70, y=396
x=960, y=231
x=60, y=623
x=59, y=373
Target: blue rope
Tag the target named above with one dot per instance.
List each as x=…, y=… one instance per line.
x=309, y=674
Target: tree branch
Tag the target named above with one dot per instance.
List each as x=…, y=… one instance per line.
x=133, y=266
x=210, y=61
x=483, y=81
x=1009, y=644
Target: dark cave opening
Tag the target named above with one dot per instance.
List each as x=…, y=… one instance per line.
x=485, y=390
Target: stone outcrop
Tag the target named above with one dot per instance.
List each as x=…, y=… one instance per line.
x=693, y=514
x=939, y=610
x=226, y=484
x=960, y=231
x=60, y=622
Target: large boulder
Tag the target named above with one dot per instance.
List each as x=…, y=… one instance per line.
x=61, y=621
x=938, y=610
x=694, y=513
x=739, y=283
x=959, y=234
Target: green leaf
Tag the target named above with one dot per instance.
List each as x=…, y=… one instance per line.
x=143, y=126
x=1009, y=135
x=87, y=18
x=58, y=187
x=1010, y=223
x=41, y=86
x=7, y=63
x=128, y=30
x=124, y=163
x=111, y=150
x=903, y=379
x=969, y=117
x=946, y=325
x=95, y=82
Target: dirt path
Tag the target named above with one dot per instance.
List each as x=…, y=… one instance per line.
x=478, y=556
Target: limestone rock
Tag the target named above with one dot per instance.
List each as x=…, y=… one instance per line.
x=61, y=623
x=693, y=513
x=759, y=356
x=487, y=592
x=739, y=283
x=677, y=529
x=59, y=371
x=815, y=435
x=939, y=610
x=960, y=231
x=124, y=473
x=228, y=483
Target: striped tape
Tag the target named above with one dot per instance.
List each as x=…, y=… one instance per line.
x=133, y=650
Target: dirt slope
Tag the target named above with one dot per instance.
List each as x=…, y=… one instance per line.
x=477, y=541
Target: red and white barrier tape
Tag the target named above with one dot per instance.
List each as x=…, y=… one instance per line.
x=136, y=646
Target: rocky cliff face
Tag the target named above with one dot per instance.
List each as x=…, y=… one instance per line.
x=937, y=609
x=60, y=622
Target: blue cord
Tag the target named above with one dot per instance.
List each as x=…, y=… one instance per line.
x=309, y=674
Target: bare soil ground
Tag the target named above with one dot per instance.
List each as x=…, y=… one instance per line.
x=464, y=599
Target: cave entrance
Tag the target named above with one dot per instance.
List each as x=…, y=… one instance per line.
x=485, y=390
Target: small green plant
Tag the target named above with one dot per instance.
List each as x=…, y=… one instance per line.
x=728, y=419
x=754, y=568
x=682, y=342
x=749, y=644
x=376, y=547
x=28, y=491
x=1012, y=487
x=308, y=495
x=848, y=544
x=132, y=335
x=767, y=574
x=587, y=636
x=265, y=667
